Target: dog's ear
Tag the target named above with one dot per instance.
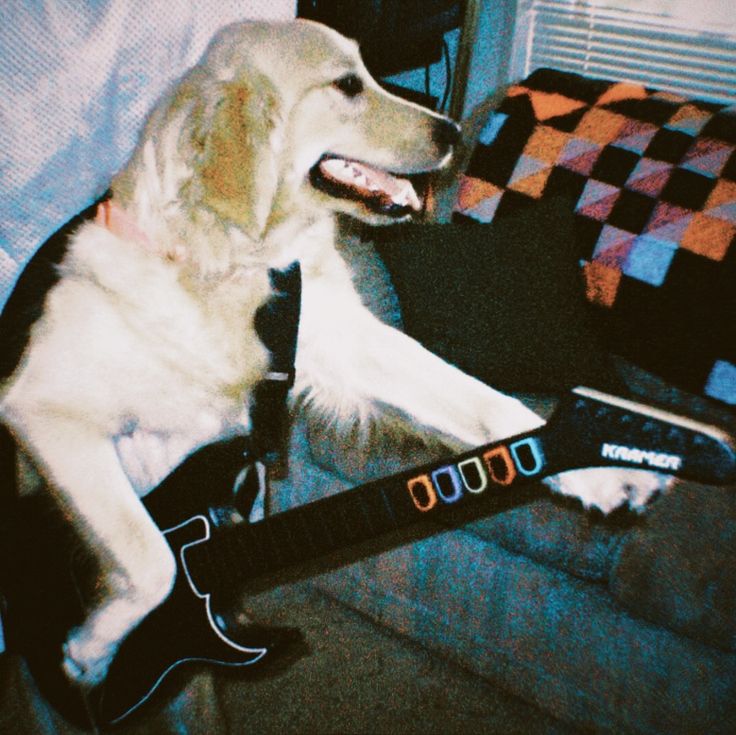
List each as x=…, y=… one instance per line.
x=239, y=171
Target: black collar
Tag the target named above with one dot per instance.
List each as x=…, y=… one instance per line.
x=277, y=325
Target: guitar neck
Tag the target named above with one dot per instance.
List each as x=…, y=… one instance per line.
x=588, y=429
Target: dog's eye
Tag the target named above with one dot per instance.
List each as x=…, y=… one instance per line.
x=351, y=85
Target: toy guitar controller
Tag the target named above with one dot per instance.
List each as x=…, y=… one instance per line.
x=215, y=556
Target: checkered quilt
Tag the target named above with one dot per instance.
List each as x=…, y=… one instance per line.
x=652, y=177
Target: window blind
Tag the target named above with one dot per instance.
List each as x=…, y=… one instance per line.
x=690, y=53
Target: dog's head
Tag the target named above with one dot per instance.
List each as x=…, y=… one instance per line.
x=286, y=115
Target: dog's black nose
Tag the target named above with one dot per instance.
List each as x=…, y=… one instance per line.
x=446, y=133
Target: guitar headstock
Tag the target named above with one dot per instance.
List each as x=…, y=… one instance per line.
x=623, y=432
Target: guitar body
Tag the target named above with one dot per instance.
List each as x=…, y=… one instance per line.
x=47, y=586
x=184, y=629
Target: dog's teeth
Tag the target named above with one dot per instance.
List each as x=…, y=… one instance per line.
x=371, y=184
x=402, y=195
x=334, y=166
x=406, y=196
x=361, y=176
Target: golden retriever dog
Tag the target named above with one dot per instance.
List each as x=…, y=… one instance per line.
x=146, y=348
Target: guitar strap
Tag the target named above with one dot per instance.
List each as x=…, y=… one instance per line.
x=277, y=326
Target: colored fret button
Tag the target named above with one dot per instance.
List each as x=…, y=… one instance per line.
x=422, y=493
x=500, y=465
x=473, y=475
x=447, y=483
x=528, y=456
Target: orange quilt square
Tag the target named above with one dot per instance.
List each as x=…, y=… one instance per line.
x=600, y=126
x=601, y=283
x=708, y=236
x=546, y=143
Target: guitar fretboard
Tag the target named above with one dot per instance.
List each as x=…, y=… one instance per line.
x=372, y=510
x=308, y=532
x=588, y=429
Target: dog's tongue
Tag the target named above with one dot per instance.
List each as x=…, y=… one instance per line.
x=371, y=183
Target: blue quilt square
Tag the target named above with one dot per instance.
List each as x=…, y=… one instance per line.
x=722, y=382
x=650, y=259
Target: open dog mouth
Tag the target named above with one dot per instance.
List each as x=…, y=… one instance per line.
x=379, y=191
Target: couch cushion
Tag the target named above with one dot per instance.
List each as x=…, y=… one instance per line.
x=559, y=534
x=676, y=569
x=551, y=639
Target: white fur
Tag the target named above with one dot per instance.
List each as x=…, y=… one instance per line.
x=146, y=349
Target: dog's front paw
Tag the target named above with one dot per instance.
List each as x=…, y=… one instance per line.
x=87, y=657
x=608, y=489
